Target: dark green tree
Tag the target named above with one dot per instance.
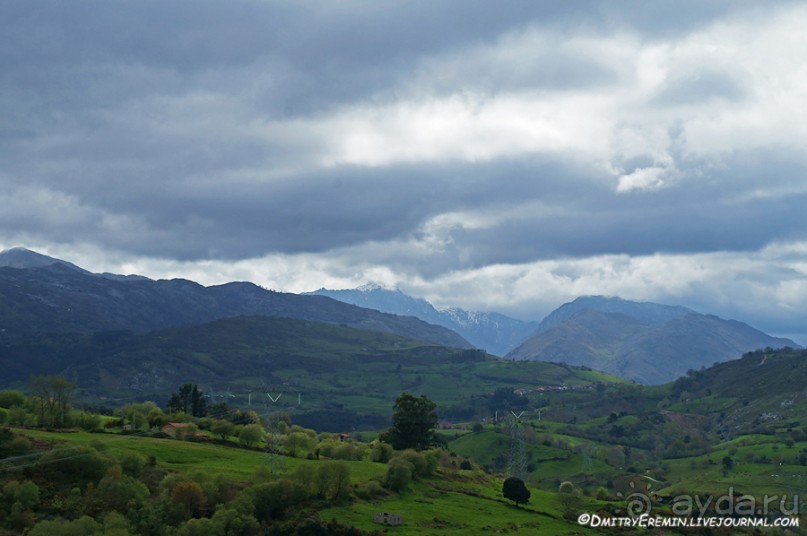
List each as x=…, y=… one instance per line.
x=413, y=422
x=728, y=463
x=189, y=399
x=515, y=490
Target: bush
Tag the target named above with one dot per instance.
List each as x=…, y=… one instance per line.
x=273, y=499
x=251, y=435
x=10, y=399
x=424, y=464
x=298, y=444
x=77, y=466
x=132, y=464
x=332, y=478
x=381, y=452
x=399, y=474
x=370, y=490
x=570, y=504
x=86, y=421
x=466, y=465
x=82, y=525
x=190, y=497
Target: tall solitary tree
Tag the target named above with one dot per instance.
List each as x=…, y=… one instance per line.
x=413, y=422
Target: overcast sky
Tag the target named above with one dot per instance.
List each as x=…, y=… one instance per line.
x=504, y=156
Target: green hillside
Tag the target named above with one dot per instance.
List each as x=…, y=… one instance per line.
x=600, y=444
x=447, y=500
x=330, y=377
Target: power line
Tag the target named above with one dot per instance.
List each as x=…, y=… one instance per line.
x=517, y=460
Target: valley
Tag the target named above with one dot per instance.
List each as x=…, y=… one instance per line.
x=305, y=394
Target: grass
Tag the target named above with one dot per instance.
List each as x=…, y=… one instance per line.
x=452, y=502
x=436, y=506
x=235, y=463
x=187, y=456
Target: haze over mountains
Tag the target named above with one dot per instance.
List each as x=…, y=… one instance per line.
x=641, y=341
x=645, y=342
x=493, y=332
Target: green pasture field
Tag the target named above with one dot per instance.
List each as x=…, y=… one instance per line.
x=435, y=507
x=188, y=456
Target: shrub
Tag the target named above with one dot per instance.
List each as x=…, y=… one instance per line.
x=370, y=490
x=399, y=474
x=381, y=452
x=251, y=435
x=424, y=463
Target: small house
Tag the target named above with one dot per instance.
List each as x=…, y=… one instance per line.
x=172, y=429
x=391, y=520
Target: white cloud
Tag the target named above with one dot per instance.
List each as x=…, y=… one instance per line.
x=649, y=178
x=489, y=101
x=772, y=281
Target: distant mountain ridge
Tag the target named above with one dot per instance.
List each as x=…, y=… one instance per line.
x=645, y=342
x=645, y=312
x=19, y=257
x=493, y=332
x=49, y=295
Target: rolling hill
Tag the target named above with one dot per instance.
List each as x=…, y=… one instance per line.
x=331, y=376
x=645, y=342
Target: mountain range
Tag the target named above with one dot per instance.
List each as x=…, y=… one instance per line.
x=493, y=332
x=43, y=294
x=646, y=342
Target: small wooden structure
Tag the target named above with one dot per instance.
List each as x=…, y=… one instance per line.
x=391, y=520
x=171, y=429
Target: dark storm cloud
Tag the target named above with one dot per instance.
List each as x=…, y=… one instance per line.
x=91, y=54
x=229, y=217
x=578, y=218
x=154, y=209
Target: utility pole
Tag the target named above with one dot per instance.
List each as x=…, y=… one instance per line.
x=517, y=462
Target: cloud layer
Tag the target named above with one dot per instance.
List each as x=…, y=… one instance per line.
x=502, y=157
